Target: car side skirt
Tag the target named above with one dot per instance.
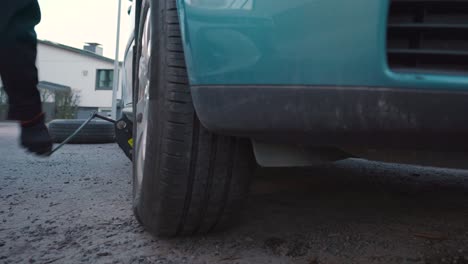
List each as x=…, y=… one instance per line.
x=337, y=116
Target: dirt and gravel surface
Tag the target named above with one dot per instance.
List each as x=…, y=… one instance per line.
x=75, y=207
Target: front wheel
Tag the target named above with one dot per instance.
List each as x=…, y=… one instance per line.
x=186, y=179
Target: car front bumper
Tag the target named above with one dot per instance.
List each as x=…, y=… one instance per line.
x=296, y=42
x=314, y=72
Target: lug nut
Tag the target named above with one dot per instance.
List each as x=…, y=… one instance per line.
x=139, y=117
x=121, y=125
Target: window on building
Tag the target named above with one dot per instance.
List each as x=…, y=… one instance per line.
x=104, y=79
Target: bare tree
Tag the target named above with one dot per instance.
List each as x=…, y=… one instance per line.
x=46, y=94
x=3, y=103
x=67, y=104
x=3, y=96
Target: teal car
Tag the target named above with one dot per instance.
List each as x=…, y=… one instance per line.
x=214, y=87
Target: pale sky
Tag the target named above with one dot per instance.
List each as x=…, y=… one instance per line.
x=74, y=22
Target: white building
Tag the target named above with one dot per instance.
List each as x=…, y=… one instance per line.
x=84, y=71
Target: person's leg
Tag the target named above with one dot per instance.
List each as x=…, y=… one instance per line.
x=18, y=45
x=18, y=48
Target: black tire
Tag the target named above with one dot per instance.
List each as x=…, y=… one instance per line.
x=191, y=181
x=95, y=132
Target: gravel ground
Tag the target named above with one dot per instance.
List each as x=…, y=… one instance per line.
x=75, y=207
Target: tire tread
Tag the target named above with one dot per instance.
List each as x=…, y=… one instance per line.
x=197, y=174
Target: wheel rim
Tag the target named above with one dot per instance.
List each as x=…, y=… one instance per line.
x=142, y=102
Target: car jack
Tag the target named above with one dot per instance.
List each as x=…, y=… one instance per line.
x=123, y=133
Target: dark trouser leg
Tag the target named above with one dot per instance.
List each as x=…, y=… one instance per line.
x=18, y=45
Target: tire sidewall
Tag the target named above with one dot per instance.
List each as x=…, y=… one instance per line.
x=144, y=194
x=135, y=188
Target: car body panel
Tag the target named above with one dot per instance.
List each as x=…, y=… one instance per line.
x=295, y=42
x=127, y=66
x=127, y=74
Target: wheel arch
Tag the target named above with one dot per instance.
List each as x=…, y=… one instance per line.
x=184, y=29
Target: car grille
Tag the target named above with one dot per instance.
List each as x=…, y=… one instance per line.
x=428, y=36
